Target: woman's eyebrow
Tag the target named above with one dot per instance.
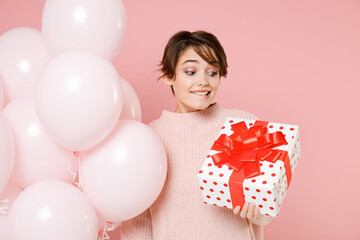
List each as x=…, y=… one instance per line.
x=190, y=60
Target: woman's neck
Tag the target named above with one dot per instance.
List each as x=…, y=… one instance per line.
x=178, y=109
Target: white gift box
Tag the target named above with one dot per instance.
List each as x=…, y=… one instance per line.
x=267, y=190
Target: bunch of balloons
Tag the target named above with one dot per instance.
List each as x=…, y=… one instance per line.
x=74, y=155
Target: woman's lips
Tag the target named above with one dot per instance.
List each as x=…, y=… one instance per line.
x=201, y=93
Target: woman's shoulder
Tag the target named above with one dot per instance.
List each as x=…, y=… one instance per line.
x=154, y=123
x=237, y=113
x=157, y=124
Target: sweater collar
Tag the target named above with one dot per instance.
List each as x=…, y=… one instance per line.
x=173, y=117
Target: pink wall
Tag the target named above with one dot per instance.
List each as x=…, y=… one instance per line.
x=290, y=61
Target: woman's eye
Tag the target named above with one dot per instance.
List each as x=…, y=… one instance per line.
x=190, y=73
x=213, y=73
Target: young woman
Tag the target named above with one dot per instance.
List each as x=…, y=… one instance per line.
x=192, y=66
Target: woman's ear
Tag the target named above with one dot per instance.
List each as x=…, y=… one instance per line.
x=168, y=81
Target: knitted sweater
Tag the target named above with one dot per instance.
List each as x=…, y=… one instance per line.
x=179, y=211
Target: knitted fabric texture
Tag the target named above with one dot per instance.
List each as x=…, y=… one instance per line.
x=179, y=211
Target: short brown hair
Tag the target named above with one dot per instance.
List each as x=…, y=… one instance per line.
x=204, y=44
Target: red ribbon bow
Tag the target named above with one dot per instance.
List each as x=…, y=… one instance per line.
x=245, y=148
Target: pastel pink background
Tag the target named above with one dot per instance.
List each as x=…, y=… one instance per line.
x=289, y=61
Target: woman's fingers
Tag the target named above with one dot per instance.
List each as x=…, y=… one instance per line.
x=250, y=213
x=236, y=210
x=249, y=210
x=257, y=212
x=244, y=210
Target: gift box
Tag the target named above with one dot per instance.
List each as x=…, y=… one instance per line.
x=250, y=161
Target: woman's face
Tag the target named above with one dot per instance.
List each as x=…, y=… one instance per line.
x=195, y=82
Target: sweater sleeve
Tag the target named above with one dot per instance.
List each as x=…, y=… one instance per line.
x=256, y=231
x=138, y=228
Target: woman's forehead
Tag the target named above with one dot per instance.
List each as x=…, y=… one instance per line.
x=190, y=55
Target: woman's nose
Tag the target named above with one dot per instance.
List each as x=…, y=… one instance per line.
x=203, y=80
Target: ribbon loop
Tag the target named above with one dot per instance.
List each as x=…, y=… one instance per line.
x=246, y=147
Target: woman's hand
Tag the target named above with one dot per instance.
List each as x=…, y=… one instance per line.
x=252, y=212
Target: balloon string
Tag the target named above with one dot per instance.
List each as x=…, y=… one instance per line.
x=109, y=227
x=74, y=174
x=4, y=208
x=79, y=170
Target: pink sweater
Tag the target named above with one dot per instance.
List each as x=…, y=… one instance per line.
x=179, y=212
